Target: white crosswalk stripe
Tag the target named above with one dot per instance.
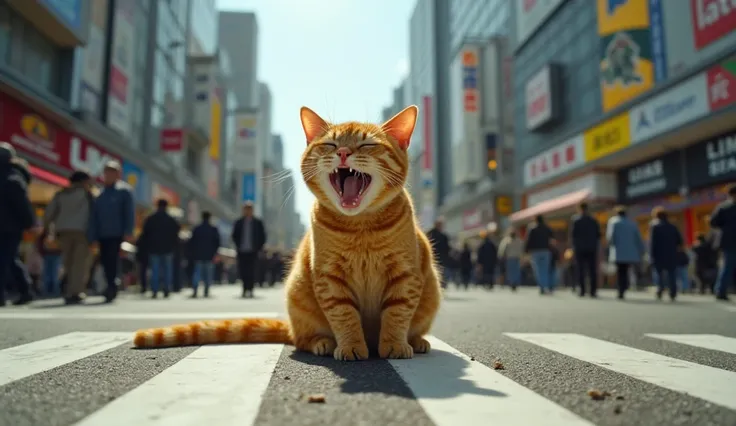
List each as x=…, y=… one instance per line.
x=225, y=385
x=706, y=341
x=31, y=315
x=704, y=382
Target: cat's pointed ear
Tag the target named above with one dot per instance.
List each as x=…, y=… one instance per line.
x=312, y=124
x=401, y=126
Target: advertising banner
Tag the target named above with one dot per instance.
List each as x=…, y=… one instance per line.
x=470, y=80
x=712, y=161
x=650, y=179
x=248, y=187
x=722, y=84
x=35, y=137
x=172, y=140
x=608, y=137
x=121, y=68
x=680, y=105
x=68, y=11
x=554, y=161
x=632, y=49
x=245, y=148
x=94, y=54
x=215, y=123
x=139, y=181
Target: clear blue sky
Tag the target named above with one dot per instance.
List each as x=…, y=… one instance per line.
x=341, y=58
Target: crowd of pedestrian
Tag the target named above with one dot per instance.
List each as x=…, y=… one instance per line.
x=79, y=244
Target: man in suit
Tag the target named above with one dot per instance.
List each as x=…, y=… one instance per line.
x=586, y=238
x=249, y=237
x=665, y=244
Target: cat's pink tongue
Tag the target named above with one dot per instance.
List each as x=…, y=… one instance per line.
x=350, y=190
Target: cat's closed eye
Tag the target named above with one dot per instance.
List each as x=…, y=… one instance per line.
x=368, y=145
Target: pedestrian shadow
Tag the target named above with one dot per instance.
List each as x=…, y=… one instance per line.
x=458, y=299
x=653, y=301
x=64, y=305
x=436, y=375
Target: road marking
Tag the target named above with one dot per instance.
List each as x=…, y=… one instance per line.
x=32, y=315
x=704, y=382
x=215, y=385
x=453, y=390
x=26, y=360
x=729, y=308
x=706, y=341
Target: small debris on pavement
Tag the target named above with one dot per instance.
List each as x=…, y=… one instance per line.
x=498, y=365
x=597, y=395
x=472, y=358
x=287, y=378
x=317, y=398
x=620, y=397
x=617, y=409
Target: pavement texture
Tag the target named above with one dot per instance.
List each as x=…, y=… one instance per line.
x=372, y=392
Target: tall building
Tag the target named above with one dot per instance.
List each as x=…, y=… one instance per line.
x=429, y=59
x=203, y=18
x=238, y=33
x=623, y=102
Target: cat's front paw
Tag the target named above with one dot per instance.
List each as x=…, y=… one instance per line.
x=322, y=346
x=351, y=352
x=420, y=345
x=395, y=350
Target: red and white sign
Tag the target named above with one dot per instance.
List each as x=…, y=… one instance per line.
x=35, y=137
x=721, y=87
x=472, y=219
x=172, y=140
x=539, y=99
x=712, y=19
x=555, y=161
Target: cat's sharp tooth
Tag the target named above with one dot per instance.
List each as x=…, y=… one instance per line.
x=351, y=170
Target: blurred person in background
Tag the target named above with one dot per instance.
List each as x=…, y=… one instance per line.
x=68, y=216
x=585, y=235
x=47, y=246
x=665, y=249
x=539, y=241
x=625, y=247
x=510, y=251
x=249, y=237
x=706, y=263
x=16, y=216
x=724, y=219
x=161, y=232
x=441, y=246
x=466, y=265
x=111, y=223
x=204, y=243
x=487, y=260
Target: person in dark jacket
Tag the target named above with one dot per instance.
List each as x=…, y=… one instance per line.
x=141, y=257
x=487, y=259
x=161, y=232
x=112, y=222
x=539, y=241
x=204, y=243
x=441, y=246
x=585, y=234
x=249, y=237
x=665, y=243
x=16, y=216
x=706, y=263
x=724, y=219
x=466, y=265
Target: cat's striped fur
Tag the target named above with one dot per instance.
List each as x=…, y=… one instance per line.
x=363, y=276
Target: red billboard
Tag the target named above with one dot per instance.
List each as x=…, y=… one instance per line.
x=36, y=137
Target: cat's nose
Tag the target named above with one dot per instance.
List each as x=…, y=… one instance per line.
x=343, y=153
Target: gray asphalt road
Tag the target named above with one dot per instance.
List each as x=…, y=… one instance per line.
x=547, y=368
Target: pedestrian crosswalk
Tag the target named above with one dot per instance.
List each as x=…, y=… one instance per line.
x=225, y=385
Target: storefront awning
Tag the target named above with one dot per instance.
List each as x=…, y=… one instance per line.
x=49, y=177
x=563, y=202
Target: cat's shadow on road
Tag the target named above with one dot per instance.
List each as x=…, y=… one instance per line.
x=437, y=375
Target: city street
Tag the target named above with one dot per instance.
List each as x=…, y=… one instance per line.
x=498, y=358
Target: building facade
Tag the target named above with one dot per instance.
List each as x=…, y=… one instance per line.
x=624, y=102
x=429, y=58
x=238, y=33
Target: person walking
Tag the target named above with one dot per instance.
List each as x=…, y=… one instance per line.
x=16, y=216
x=487, y=259
x=539, y=241
x=161, y=233
x=466, y=265
x=724, y=219
x=585, y=234
x=665, y=244
x=441, y=246
x=112, y=222
x=249, y=237
x=510, y=250
x=204, y=243
x=68, y=214
x=626, y=247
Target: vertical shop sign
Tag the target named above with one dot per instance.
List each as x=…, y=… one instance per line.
x=121, y=68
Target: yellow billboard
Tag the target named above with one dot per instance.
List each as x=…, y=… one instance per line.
x=627, y=63
x=215, y=126
x=606, y=138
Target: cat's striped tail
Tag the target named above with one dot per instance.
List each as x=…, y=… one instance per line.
x=247, y=330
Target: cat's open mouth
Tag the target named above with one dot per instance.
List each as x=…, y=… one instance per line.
x=350, y=186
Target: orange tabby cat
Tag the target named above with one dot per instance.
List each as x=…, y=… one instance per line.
x=364, y=275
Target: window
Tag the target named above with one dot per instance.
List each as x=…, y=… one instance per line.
x=39, y=60
x=4, y=33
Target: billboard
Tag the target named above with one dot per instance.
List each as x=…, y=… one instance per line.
x=215, y=123
x=632, y=50
x=122, y=62
x=245, y=147
x=248, y=187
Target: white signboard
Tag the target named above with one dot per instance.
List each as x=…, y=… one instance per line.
x=245, y=149
x=554, y=162
x=530, y=14
x=682, y=104
x=538, y=99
